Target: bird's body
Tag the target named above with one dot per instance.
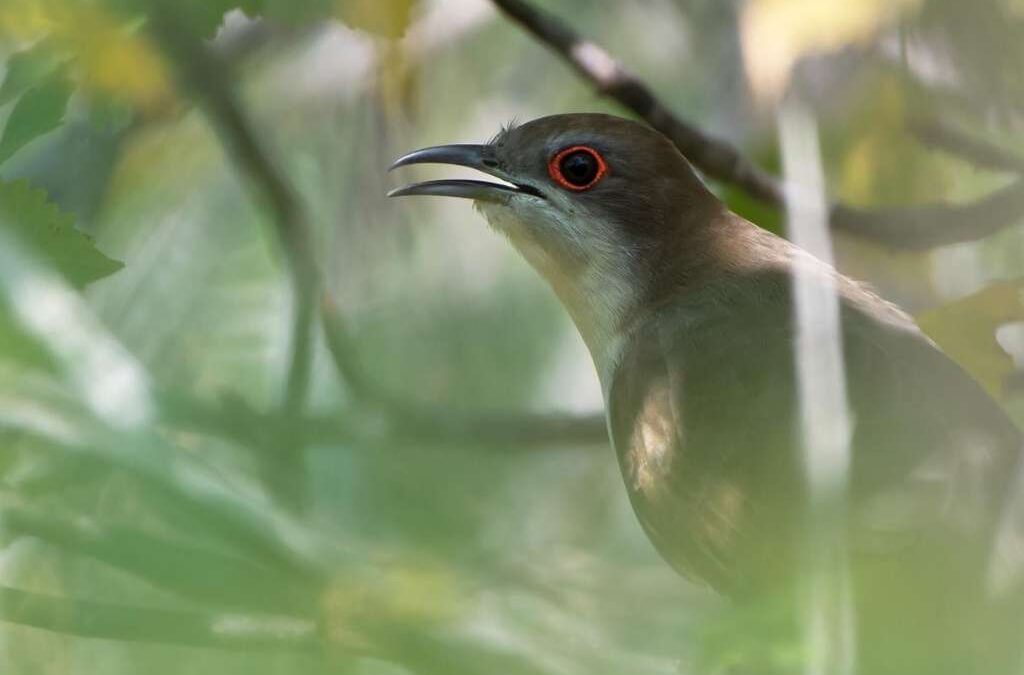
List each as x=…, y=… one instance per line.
x=708, y=437
x=688, y=312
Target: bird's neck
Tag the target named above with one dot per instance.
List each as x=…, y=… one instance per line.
x=610, y=299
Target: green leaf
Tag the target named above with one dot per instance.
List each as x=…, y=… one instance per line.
x=51, y=233
x=38, y=111
x=26, y=68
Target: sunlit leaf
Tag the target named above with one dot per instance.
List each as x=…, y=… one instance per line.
x=114, y=57
x=966, y=331
x=106, y=49
x=41, y=225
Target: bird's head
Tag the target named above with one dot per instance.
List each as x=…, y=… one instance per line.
x=600, y=205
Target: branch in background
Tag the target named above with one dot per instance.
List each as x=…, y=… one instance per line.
x=718, y=159
x=955, y=141
x=924, y=227
x=132, y=624
x=392, y=423
x=206, y=75
x=913, y=228
x=426, y=425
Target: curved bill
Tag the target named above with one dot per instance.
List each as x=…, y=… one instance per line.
x=479, y=157
x=470, y=189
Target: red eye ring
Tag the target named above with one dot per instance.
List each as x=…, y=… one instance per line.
x=555, y=167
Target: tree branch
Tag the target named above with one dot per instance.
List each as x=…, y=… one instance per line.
x=913, y=228
x=207, y=77
x=920, y=228
x=393, y=422
x=718, y=159
x=955, y=141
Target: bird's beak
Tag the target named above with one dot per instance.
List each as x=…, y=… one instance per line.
x=479, y=157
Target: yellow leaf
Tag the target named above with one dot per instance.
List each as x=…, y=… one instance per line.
x=966, y=331
x=114, y=58
x=877, y=161
x=23, y=20
x=108, y=53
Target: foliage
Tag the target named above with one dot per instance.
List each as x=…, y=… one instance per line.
x=51, y=234
x=416, y=504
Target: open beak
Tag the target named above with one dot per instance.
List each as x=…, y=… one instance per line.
x=479, y=157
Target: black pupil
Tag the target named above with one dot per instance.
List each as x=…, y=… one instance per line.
x=579, y=168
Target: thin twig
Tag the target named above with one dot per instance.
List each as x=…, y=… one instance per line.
x=958, y=142
x=913, y=228
x=395, y=423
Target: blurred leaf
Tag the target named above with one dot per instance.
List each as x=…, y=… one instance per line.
x=103, y=45
x=212, y=576
x=776, y=34
x=17, y=345
x=26, y=68
x=23, y=20
x=878, y=152
x=38, y=111
x=113, y=56
x=41, y=225
x=966, y=331
x=874, y=160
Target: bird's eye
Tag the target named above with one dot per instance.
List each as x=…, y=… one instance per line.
x=577, y=167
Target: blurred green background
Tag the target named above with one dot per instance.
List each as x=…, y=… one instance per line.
x=437, y=495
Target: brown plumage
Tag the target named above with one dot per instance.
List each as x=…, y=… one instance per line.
x=688, y=312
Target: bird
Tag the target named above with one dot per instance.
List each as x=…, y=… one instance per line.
x=687, y=310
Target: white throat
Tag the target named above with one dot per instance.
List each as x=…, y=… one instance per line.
x=590, y=274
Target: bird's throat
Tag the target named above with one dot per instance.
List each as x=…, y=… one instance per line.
x=600, y=292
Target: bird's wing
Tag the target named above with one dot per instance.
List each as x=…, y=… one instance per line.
x=702, y=411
